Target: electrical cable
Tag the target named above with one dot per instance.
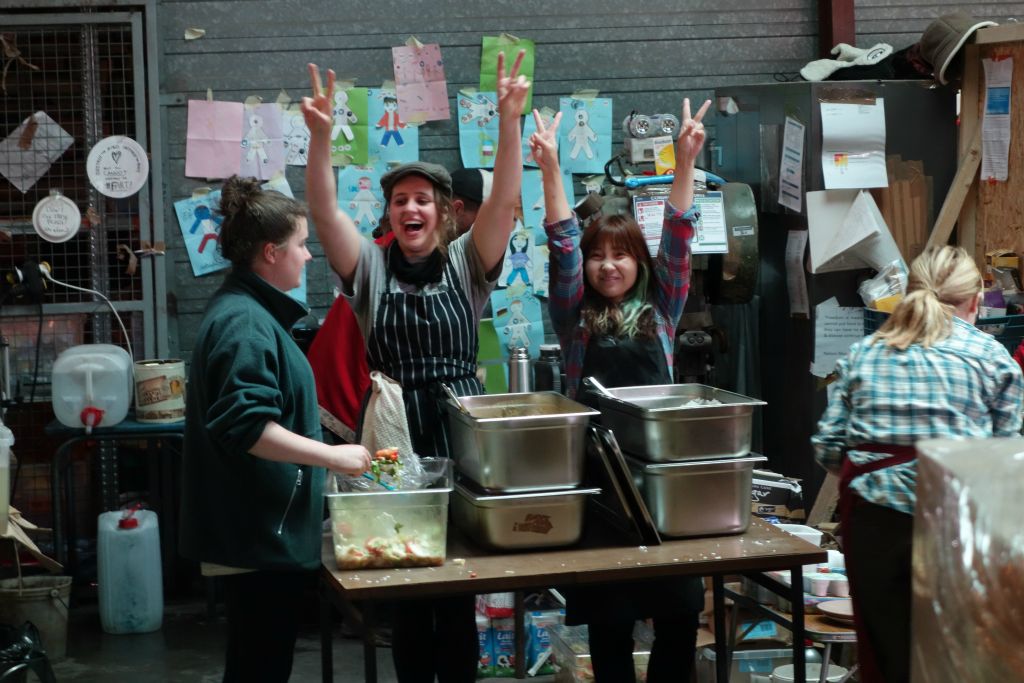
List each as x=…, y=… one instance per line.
x=127, y=339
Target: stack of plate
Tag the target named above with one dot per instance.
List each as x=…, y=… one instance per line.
x=520, y=461
x=688, y=447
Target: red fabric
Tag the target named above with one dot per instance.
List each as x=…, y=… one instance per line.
x=868, y=672
x=338, y=358
x=1018, y=356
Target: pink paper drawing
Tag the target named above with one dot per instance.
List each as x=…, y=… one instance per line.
x=262, y=143
x=420, y=83
x=214, y=136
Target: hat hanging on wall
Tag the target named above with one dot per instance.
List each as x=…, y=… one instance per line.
x=942, y=40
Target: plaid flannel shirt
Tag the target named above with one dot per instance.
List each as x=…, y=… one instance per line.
x=671, y=277
x=964, y=386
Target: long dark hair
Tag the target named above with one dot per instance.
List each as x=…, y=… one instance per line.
x=634, y=315
x=252, y=217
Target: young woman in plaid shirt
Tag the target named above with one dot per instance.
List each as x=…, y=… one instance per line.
x=927, y=373
x=615, y=310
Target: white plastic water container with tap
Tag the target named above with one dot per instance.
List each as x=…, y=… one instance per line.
x=129, y=576
x=92, y=386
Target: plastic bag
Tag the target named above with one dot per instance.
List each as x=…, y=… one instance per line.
x=891, y=280
x=412, y=472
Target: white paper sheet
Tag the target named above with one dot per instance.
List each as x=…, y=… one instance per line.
x=995, y=127
x=847, y=232
x=853, y=145
x=710, y=236
x=24, y=167
x=835, y=329
x=796, y=282
x=791, y=167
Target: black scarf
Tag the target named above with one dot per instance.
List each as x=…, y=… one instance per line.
x=429, y=270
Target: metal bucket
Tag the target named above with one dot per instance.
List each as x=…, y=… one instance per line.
x=160, y=390
x=43, y=600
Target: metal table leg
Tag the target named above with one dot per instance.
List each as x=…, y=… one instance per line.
x=796, y=597
x=722, y=664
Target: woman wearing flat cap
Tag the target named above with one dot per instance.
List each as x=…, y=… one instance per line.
x=418, y=302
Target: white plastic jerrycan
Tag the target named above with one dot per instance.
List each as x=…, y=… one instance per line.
x=92, y=386
x=129, y=574
x=6, y=441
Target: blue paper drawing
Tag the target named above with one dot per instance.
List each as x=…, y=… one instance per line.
x=518, y=321
x=199, y=219
x=585, y=136
x=391, y=139
x=360, y=196
x=533, y=198
x=478, y=128
x=529, y=128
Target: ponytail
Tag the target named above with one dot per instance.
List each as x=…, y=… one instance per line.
x=941, y=279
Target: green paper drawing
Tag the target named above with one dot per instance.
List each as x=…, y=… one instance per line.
x=489, y=358
x=511, y=46
x=350, y=141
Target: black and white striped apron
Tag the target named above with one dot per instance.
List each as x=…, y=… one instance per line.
x=421, y=341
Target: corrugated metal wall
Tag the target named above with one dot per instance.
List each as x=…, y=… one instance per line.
x=646, y=56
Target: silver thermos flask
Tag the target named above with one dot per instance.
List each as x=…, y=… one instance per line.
x=520, y=375
x=547, y=371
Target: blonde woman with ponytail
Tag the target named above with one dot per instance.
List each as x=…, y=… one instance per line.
x=927, y=373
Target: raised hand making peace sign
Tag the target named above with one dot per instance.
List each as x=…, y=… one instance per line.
x=544, y=142
x=318, y=110
x=512, y=89
x=691, y=133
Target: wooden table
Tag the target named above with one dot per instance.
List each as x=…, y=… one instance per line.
x=762, y=548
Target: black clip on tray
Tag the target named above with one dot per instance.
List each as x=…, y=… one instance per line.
x=620, y=502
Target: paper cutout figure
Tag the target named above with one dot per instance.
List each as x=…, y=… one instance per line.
x=296, y=138
x=213, y=139
x=350, y=136
x=518, y=321
x=199, y=219
x=519, y=251
x=360, y=195
x=420, y=84
x=27, y=153
x=586, y=134
x=391, y=139
x=478, y=129
x=510, y=45
x=263, y=153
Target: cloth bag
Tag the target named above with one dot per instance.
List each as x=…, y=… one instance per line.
x=384, y=421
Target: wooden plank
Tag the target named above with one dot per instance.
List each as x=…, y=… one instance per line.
x=825, y=504
x=957, y=192
x=969, y=118
x=1007, y=33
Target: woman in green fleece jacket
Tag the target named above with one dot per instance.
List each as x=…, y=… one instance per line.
x=254, y=463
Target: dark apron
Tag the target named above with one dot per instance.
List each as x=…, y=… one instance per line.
x=623, y=362
x=421, y=341
x=898, y=455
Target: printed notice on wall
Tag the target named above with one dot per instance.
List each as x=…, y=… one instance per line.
x=853, y=145
x=836, y=328
x=650, y=216
x=995, y=128
x=710, y=236
x=791, y=166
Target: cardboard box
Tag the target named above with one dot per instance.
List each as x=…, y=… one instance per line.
x=773, y=495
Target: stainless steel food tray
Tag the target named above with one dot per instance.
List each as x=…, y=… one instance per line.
x=520, y=521
x=520, y=442
x=656, y=424
x=698, y=497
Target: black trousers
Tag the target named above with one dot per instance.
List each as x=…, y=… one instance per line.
x=263, y=610
x=435, y=637
x=672, y=654
x=878, y=549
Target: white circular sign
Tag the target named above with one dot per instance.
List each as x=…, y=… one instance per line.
x=56, y=218
x=117, y=166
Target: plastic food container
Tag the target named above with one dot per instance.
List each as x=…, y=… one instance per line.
x=384, y=529
x=520, y=442
x=672, y=423
x=520, y=521
x=697, y=498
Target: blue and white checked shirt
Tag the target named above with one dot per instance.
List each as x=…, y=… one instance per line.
x=965, y=386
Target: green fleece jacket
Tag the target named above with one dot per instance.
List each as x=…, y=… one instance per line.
x=238, y=509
